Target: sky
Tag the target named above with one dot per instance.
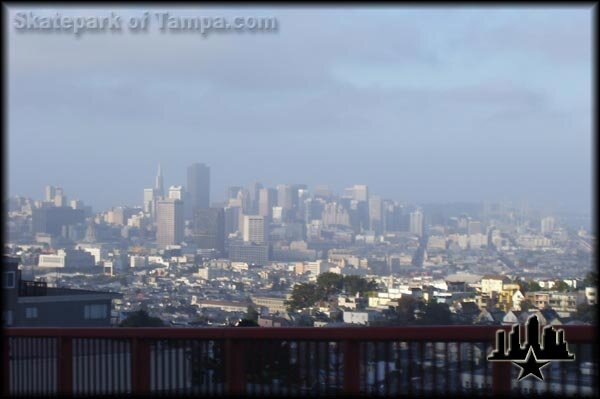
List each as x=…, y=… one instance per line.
x=422, y=105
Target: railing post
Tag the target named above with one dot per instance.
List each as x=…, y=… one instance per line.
x=351, y=367
x=501, y=383
x=65, y=366
x=140, y=366
x=235, y=381
x=5, y=366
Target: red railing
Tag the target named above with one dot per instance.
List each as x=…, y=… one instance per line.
x=238, y=354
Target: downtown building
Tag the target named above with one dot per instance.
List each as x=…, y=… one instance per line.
x=208, y=229
x=169, y=222
x=198, y=186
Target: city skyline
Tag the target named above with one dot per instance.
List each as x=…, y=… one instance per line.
x=457, y=107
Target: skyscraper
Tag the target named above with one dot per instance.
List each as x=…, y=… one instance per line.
x=416, y=223
x=59, y=197
x=176, y=192
x=198, y=186
x=50, y=193
x=358, y=192
x=208, y=229
x=266, y=201
x=169, y=222
x=254, y=229
x=233, y=215
x=254, y=191
x=547, y=225
x=148, y=198
x=158, y=184
x=53, y=220
x=376, y=214
x=284, y=196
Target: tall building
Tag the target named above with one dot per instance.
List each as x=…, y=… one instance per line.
x=208, y=229
x=158, y=184
x=198, y=186
x=335, y=214
x=59, y=197
x=416, y=223
x=169, y=222
x=254, y=192
x=254, y=229
x=284, y=196
x=266, y=202
x=233, y=214
x=148, y=200
x=547, y=225
x=358, y=192
x=50, y=194
x=53, y=220
x=376, y=214
x=176, y=192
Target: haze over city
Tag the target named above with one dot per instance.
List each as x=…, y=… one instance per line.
x=299, y=202
x=423, y=105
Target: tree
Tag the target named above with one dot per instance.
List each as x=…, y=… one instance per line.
x=591, y=279
x=435, y=314
x=303, y=296
x=330, y=283
x=530, y=286
x=141, y=318
x=561, y=286
x=251, y=314
x=406, y=309
x=356, y=284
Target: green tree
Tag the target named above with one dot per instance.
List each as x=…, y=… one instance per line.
x=406, y=309
x=561, y=286
x=141, y=318
x=435, y=314
x=530, y=286
x=251, y=314
x=356, y=284
x=303, y=296
x=330, y=283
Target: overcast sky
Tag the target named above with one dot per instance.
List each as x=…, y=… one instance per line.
x=423, y=105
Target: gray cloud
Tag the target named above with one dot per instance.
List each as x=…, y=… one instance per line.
x=274, y=107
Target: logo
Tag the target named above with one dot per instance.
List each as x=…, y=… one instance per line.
x=531, y=356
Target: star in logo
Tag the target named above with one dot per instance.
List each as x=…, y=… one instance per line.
x=531, y=366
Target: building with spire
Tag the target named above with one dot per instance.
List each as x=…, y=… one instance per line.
x=158, y=184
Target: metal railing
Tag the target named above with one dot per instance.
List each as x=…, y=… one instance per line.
x=280, y=361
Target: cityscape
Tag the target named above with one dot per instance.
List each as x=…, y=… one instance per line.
x=280, y=201
x=294, y=255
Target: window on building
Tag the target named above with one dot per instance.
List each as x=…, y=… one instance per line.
x=8, y=280
x=31, y=313
x=99, y=311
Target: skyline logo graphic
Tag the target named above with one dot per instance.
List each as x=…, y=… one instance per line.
x=533, y=353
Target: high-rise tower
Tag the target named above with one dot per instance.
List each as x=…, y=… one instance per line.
x=198, y=186
x=158, y=185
